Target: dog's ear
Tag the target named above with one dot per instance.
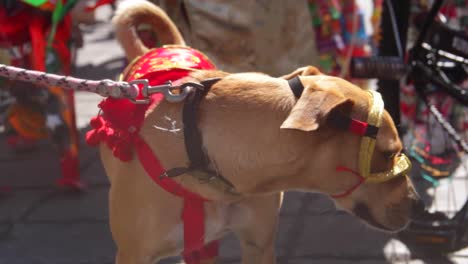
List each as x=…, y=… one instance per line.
x=313, y=108
x=303, y=71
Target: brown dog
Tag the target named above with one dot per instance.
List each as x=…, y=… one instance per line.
x=263, y=140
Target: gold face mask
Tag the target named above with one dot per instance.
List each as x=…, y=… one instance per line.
x=402, y=165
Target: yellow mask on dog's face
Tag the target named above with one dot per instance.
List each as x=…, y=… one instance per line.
x=403, y=164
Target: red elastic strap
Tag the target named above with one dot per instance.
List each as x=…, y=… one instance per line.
x=361, y=180
x=354, y=126
x=358, y=127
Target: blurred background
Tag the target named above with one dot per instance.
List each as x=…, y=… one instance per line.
x=53, y=190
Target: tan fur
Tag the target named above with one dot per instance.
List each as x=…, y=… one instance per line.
x=240, y=122
x=136, y=12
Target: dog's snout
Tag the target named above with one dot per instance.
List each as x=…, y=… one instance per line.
x=417, y=209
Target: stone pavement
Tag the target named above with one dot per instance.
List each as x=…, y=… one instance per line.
x=40, y=223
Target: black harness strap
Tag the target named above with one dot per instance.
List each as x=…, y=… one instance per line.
x=199, y=160
x=296, y=86
x=192, y=136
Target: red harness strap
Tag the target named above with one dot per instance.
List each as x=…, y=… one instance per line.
x=193, y=209
x=119, y=128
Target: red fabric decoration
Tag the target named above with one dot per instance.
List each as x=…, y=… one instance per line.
x=119, y=127
x=28, y=25
x=13, y=28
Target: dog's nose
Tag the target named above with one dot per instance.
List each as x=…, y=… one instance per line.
x=418, y=209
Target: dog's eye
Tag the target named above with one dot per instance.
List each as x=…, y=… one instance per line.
x=389, y=154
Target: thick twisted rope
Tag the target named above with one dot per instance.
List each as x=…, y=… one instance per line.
x=105, y=88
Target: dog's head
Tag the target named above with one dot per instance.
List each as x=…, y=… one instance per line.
x=365, y=146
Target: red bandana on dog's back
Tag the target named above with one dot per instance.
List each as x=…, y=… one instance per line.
x=170, y=59
x=119, y=124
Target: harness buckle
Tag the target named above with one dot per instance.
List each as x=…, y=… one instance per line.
x=166, y=89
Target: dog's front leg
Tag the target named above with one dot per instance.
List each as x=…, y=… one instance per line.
x=257, y=235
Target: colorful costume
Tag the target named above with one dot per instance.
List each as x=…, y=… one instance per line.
x=340, y=33
x=37, y=35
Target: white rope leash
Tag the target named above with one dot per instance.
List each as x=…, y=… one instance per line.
x=105, y=88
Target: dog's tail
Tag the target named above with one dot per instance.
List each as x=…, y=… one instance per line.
x=133, y=13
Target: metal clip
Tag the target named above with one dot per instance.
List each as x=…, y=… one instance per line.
x=145, y=84
x=166, y=89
